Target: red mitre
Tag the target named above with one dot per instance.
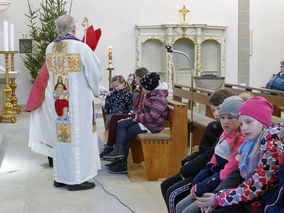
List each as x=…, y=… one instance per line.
x=37, y=92
x=93, y=37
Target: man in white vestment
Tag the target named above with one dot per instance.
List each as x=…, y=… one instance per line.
x=74, y=74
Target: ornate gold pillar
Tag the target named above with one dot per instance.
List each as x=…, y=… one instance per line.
x=13, y=86
x=8, y=106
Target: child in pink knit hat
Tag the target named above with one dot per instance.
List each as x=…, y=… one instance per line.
x=258, y=166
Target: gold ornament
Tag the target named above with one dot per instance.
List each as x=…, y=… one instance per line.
x=184, y=11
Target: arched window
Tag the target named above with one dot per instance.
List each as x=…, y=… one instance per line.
x=210, y=57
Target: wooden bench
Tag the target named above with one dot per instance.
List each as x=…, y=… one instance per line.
x=201, y=96
x=163, y=152
x=274, y=98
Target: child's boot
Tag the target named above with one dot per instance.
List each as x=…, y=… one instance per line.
x=119, y=168
x=117, y=153
x=107, y=149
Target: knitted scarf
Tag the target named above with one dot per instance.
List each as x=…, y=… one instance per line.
x=250, y=156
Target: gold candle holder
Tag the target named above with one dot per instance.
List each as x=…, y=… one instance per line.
x=13, y=86
x=8, y=106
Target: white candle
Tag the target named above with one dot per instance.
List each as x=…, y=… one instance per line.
x=6, y=39
x=110, y=56
x=12, y=37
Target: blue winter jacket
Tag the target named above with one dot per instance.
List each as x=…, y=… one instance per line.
x=276, y=83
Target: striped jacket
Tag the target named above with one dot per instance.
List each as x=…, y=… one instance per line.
x=264, y=178
x=155, y=110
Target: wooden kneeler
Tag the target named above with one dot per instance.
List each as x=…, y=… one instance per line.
x=163, y=152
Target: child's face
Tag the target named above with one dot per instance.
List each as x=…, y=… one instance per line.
x=137, y=80
x=250, y=127
x=118, y=86
x=229, y=123
x=215, y=110
x=130, y=79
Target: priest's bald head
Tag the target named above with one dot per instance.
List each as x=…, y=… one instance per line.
x=65, y=24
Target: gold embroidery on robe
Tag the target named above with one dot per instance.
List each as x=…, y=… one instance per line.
x=63, y=132
x=60, y=63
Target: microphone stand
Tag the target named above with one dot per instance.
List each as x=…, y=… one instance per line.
x=170, y=50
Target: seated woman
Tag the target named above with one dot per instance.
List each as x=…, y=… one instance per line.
x=258, y=167
x=277, y=81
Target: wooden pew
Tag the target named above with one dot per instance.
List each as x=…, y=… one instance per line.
x=163, y=152
x=201, y=96
x=274, y=98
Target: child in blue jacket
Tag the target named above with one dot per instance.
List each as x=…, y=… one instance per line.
x=120, y=99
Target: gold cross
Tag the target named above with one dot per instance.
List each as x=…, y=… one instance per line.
x=60, y=62
x=184, y=11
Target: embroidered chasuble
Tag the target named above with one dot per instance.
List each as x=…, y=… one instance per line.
x=41, y=97
x=74, y=75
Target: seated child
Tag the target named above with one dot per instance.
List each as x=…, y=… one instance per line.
x=119, y=100
x=148, y=120
x=131, y=80
x=139, y=73
x=258, y=166
x=176, y=187
x=224, y=160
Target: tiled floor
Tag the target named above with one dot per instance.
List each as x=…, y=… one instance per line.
x=26, y=183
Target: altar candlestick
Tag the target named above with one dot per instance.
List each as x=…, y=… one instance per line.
x=6, y=39
x=12, y=37
x=110, y=56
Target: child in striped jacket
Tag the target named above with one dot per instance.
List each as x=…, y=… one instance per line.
x=149, y=120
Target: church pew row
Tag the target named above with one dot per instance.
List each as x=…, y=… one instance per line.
x=162, y=152
x=182, y=93
x=200, y=121
x=273, y=96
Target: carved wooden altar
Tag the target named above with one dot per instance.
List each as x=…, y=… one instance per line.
x=205, y=44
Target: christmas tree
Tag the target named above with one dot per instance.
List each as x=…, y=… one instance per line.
x=42, y=32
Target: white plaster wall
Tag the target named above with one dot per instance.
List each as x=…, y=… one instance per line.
x=118, y=19
x=266, y=19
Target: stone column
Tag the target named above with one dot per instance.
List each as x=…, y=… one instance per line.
x=243, y=41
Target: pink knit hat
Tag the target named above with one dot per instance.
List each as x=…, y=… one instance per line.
x=258, y=108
